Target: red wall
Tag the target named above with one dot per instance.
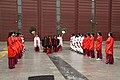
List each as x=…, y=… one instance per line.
x=8, y=18
x=40, y=14
x=102, y=17
x=115, y=19
x=75, y=16
x=67, y=16
x=48, y=18
x=29, y=17
x=84, y=16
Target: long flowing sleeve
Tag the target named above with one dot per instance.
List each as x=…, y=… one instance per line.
x=109, y=46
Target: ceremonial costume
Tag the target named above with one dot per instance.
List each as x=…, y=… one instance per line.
x=60, y=45
x=36, y=44
x=91, y=48
x=109, y=50
x=12, y=51
x=99, y=47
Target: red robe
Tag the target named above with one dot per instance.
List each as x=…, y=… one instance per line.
x=91, y=43
x=16, y=44
x=88, y=42
x=12, y=50
x=109, y=45
x=19, y=42
x=84, y=43
x=99, y=43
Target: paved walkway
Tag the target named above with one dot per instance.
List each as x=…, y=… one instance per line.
x=36, y=64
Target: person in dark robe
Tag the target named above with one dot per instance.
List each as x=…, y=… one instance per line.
x=44, y=44
x=55, y=44
x=109, y=49
x=49, y=44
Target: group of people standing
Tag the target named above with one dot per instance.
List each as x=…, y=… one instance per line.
x=50, y=44
x=85, y=44
x=16, y=47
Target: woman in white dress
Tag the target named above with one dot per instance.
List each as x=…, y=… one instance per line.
x=36, y=43
x=60, y=43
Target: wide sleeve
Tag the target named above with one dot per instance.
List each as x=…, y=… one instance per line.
x=111, y=42
x=10, y=43
x=99, y=43
x=91, y=44
x=88, y=42
x=35, y=42
x=38, y=41
x=109, y=46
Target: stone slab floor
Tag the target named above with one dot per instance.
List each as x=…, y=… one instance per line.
x=37, y=64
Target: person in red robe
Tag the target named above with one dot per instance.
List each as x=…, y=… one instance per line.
x=17, y=47
x=20, y=45
x=12, y=51
x=88, y=44
x=109, y=49
x=99, y=46
x=91, y=48
x=84, y=44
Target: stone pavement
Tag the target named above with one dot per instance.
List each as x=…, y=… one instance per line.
x=35, y=64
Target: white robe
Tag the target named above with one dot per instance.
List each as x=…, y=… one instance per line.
x=80, y=48
x=61, y=41
x=72, y=42
x=71, y=39
x=77, y=43
x=35, y=42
